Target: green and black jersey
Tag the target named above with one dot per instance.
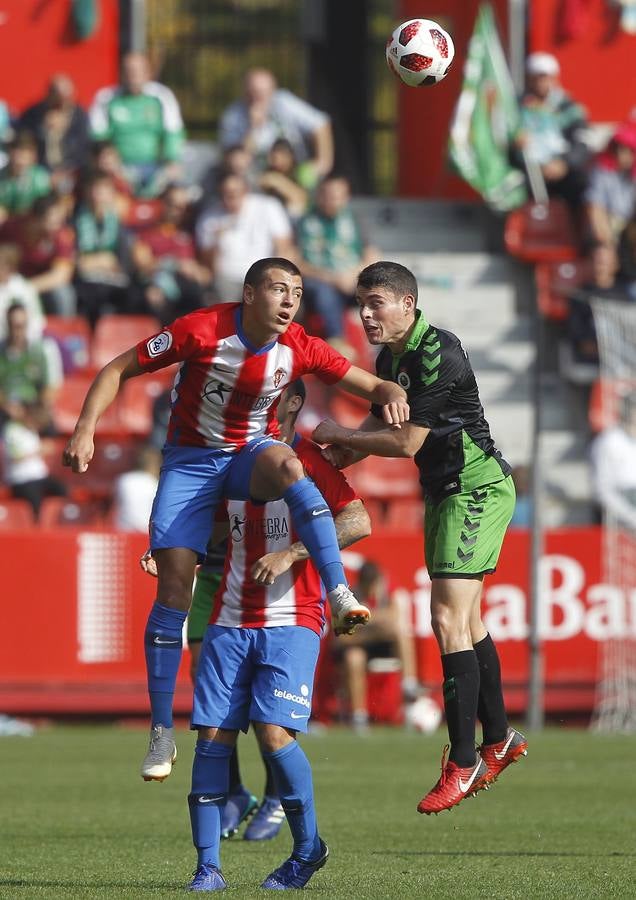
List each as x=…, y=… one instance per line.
x=459, y=454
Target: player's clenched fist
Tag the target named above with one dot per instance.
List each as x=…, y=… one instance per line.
x=396, y=412
x=78, y=452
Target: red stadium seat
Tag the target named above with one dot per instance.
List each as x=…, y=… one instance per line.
x=382, y=478
x=57, y=512
x=68, y=404
x=542, y=232
x=114, y=334
x=556, y=282
x=112, y=458
x=73, y=336
x=142, y=213
x=15, y=514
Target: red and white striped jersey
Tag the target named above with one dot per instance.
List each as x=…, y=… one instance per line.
x=296, y=597
x=226, y=391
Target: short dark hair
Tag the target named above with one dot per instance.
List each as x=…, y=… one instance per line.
x=297, y=388
x=390, y=275
x=257, y=271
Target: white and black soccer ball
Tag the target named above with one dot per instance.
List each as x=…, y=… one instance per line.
x=423, y=715
x=420, y=52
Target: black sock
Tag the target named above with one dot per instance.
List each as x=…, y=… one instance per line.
x=490, y=709
x=461, y=692
x=235, y=772
x=270, y=787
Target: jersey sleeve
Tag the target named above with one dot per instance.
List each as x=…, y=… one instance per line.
x=330, y=481
x=175, y=343
x=316, y=357
x=432, y=383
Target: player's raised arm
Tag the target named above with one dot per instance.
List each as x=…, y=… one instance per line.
x=393, y=442
x=102, y=392
x=387, y=394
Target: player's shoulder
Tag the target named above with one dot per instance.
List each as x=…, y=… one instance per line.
x=297, y=336
x=440, y=342
x=221, y=316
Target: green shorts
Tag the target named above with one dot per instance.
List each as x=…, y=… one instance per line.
x=463, y=534
x=207, y=584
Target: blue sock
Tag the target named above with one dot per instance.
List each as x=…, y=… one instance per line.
x=314, y=526
x=292, y=776
x=163, y=657
x=210, y=779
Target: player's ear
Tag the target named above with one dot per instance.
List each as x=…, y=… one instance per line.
x=408, y=302
x=248, y=293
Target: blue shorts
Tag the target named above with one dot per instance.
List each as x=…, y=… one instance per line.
x=255, y=675
x=192, y=482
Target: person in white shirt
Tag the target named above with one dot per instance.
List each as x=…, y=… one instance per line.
x=135, y=492
x=24, y=468
x=16, y=289
x=613, y=462
x=239, y=229
x=267, y=113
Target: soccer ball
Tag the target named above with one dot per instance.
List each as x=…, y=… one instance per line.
x=420, y=52
x=424, y=715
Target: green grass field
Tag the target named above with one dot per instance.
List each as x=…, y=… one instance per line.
x=77, y=821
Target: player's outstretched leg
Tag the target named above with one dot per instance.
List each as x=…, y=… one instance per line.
x=163, y=648
x=206, y=800
x=292, y=775
x=313, y=522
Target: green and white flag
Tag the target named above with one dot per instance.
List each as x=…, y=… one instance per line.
x=486, y=119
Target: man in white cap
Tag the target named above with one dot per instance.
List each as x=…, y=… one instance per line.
x=551, y=131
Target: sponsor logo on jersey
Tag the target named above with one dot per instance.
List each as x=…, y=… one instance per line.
x=159, y=343
x=278, y=376
x=216, y=392
x=293, y=698
x=403, y=380
x=273, y=528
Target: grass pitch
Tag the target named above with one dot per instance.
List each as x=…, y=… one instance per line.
x=77, y=821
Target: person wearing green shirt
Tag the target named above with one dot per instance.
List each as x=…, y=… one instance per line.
x=142, y=118
x=469, y=497
x=22, y=181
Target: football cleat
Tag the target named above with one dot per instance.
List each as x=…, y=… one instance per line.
x=161, y=755
x=240, y=804
x=455, y=784
x=346, y=612
x=267, y=821
x=498, y=756
x=207, y=878
x=295, y=873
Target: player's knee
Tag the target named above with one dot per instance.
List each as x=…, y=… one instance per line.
x=289, y=471
x=271, y=737
x=448, y=624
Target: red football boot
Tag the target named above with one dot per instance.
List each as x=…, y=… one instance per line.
x=455, y=784
x=498, y=756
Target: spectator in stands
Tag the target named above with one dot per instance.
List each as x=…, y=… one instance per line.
x=603, y=284
x=25, y=469
x=14, y=288
x=267, y=113
x=105, y=159
x=30, y=370
x=551, y=130
x=613, y=465
x=611, y=194
x=239, y=229
x=60, y=128
x=333, y=249
x=101, y=278
x=385, y=636
x=47, y=252
x=235, y=160
x=23, y=180
x=280, y=179
x=135, y=491
x=164, y=256
x=143, y=119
